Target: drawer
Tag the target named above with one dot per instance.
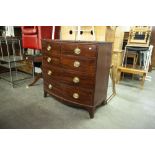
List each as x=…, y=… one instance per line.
x=88, y=50
x=49, y=60
x=51, y=73
x=78, y=79
x=53, y=88
x=77, y=95
x=51, y=48
x=74, y=63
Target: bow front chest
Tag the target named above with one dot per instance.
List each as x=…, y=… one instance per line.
x=77, y=72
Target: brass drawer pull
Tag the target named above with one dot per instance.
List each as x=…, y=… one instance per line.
x=49, y=72
x=49, y=48
x=77, y=51
x=76, y=95
x=49, y=59
x=76, y=80
x=50, y=86
x=76, y=64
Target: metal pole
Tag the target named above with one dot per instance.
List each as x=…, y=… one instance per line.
x=11, y=78
x=21, y=54
x=1, y=49
x=14, y=57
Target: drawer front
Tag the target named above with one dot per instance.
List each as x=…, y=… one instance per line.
x=83, y=65
x=50, y=72
x=78, y=95
x=51, y=48
x=49, y=60
x=88, y=50
x=78, y=79
x=53, y=88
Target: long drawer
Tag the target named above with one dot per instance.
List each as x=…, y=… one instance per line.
x=82, y=65
x=87, y=50
x=73, y=94
x=72, y=78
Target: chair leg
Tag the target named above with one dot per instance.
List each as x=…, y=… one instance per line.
x=143, y=80
x=118, y=76
x=113, y=78
x=36, y=79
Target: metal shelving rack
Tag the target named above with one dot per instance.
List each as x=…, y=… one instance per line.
x=11, y=59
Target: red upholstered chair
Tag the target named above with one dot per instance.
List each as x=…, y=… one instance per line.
x=31, y=38
x=32, y=35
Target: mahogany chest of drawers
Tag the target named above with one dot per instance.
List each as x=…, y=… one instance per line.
x=77, y=72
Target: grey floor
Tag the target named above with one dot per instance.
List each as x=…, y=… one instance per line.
x=22, y=108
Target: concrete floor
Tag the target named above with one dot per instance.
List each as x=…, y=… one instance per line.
x=27, y=108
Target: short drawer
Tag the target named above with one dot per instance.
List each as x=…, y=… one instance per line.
x=78, y=64
x=78, y=79
x=49, y=60
x=88, y=50
x=50, y=72
x=53, y=88
x=77, y=95
x=52, y=48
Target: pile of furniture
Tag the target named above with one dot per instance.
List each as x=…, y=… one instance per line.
x=138, y=50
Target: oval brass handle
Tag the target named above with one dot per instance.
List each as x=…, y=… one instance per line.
x=49, y=72
x=76, y=95
x=77, y=51
x=76, y=64
x=49, y=59
x=50, y=86
x=76, y=80
x=49, y=48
